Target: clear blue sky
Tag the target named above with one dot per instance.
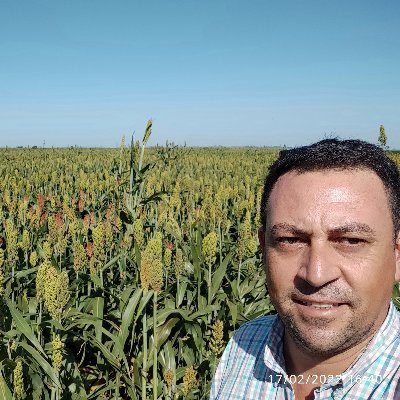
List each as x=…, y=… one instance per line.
x=208, y=72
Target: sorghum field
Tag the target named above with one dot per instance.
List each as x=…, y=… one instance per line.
x=123, y=272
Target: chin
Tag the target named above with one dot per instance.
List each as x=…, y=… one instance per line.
x=319, y=338
x=321, y=345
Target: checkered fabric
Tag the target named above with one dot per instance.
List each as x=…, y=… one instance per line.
x=252, y=366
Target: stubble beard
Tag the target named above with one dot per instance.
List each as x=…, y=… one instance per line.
x=317, y=336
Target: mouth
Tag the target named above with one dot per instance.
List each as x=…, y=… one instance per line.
x=317, y=305
x=318, y=313
x=320, y=304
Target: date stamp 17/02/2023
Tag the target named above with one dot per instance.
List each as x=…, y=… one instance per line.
x=322, y=379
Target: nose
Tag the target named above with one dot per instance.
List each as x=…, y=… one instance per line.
x=319, y=265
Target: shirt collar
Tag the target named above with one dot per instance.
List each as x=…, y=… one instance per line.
x=387, y=333
x=273, y=352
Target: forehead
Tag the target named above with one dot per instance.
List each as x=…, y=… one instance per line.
x=330, y=193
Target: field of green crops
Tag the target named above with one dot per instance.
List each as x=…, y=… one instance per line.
x=123, y=272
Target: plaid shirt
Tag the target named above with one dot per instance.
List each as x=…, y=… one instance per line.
x=252, y=366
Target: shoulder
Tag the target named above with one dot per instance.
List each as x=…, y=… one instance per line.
x=252, y=336
x=255, y=330
x=247, y=345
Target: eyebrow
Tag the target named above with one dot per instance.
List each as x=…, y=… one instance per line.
x=287, y=228
x=352, y=227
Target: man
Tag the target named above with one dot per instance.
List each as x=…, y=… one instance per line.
x=331, y=249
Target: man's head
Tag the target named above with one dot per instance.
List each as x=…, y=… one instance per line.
x=329, y=214
x=334, y=154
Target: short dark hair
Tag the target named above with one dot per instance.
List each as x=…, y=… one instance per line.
x=339, y=155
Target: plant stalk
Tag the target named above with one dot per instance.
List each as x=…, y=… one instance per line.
x=155, y=351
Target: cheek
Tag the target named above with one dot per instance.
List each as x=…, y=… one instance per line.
x=372, y=278
x=280, y=273
x=283, y=264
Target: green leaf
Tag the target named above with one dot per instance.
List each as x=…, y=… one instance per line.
x=5, y=393
x=163, y=314
x=196, y=334
x=81, y=319
x=180, y=295
x=130, y=388
x=98, y=312
x=219, y=274
x=143, y=302
x=205, y=311
x=110, y=263
x=102, y=389
x=164, y=331
x=155, y=197
x=167, y=357
x=233, y=308
x=23, y=326
x=96, y=280
x=124, y=297
x=47, y=368
x=105, y=351
x=37, y=384
x=195, y=248
x=25, y=272
x=127, y=319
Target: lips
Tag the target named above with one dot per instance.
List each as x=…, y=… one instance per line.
x=320, y=304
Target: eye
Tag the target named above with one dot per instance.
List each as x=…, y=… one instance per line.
x=351, y=241
x=288, y=240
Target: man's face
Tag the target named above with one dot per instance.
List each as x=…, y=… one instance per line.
x=330, y=257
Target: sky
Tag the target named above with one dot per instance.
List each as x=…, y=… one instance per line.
x=208, y=72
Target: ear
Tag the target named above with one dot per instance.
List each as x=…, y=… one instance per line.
x=397, y=256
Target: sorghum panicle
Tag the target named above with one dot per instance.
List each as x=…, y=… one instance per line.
x=169, y=378
x=25, y=242
x=167, y=258
x=41, y=278
x=33, y=258
x=151, y=273
x=108, y=235
x=216, y=342
x=79, y=256
x=1, y=282
x=98, y=243
x=47, y=250
x=138, y=234
x=56, y=292
x=19, y=390
x=209, y=248
x=247, y=243
x=12, y=241
x=189, y=380
x=179, y=262
x=57, y=345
